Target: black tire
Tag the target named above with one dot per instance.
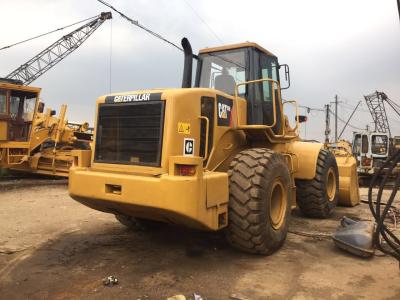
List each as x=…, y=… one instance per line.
x=258, y=180
x=138, y=224
x=314, y=197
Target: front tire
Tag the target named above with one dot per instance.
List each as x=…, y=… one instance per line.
x=317, y=198
x=259, y=201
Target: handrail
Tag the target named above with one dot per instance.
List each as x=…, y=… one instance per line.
x=296, y=104
x=207, y=133
x=273, y=96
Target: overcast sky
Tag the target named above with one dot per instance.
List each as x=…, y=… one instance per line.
x=345, y=47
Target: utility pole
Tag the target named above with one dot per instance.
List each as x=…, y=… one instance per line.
x=327, y=123
x=336, y=118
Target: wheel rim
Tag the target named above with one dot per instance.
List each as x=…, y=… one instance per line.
x=278, y=204
x=331, y=185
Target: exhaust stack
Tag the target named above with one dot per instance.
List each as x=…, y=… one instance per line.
x=187, y=67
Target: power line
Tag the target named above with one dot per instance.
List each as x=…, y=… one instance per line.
x=43, y=34
x=343, y=121
x=351, y=107
x=311, y=108
x=136, y=23
x=205, y=23
x=110, y=61
x=348, y=120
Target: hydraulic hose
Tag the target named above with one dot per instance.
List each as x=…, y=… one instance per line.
x=380, y=210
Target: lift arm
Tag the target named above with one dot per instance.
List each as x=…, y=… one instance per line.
x=49, y=57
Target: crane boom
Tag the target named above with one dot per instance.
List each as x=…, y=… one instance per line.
x=376, y=106
x=49, y=57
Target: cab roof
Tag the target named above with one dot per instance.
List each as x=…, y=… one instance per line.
x=236, y=46
x=18, y=87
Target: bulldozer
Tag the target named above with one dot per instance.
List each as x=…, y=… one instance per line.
x=32, y=139
x=217, y=155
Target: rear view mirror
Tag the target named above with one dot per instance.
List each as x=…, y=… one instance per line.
x=302, y=119
x=41, y=107
x=287, y=76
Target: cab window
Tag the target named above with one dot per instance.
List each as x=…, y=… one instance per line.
x=22, y=105
x=365, y=144
x=29, y=108
x=269, y=69
x=379, y=144
x=357, y=144
x=14, y=106
x=223, y=70
x=3, y=102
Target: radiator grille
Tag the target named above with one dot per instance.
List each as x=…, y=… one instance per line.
x=130, y=133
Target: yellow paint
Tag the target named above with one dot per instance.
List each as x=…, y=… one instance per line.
x=198, y=201
x=3, y=131
x=235, y=46
x=39, y=128
x=349, y=193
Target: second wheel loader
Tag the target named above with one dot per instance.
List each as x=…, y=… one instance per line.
x=221, y=155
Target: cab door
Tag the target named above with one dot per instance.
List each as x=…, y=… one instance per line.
x=4, y=116
x=265, y=92
x=21, y=112
x=366, y=157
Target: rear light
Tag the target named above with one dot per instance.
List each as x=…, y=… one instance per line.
x=186, y=170
x=366, y=161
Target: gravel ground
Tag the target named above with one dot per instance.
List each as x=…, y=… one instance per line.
x=54, y=248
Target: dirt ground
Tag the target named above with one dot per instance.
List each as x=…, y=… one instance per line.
x=54, y=248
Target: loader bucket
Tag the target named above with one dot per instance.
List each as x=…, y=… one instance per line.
x=355, y=237
x=349, y=194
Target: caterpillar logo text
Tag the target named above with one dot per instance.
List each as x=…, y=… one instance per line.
x=223, y=110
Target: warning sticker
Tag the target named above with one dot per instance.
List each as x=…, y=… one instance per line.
x=184, y=128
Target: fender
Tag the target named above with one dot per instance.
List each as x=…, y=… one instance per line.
x=305, y=156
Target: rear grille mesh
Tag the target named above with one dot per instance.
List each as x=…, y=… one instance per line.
x=130, y=133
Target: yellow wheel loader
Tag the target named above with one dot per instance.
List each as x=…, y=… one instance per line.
x=221, y=155
x=32, y=139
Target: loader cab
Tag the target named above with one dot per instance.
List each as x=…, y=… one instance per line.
x=223, y=68
x=17, y=107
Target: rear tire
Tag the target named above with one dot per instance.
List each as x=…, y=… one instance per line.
x=259, y=201
x=317, y=198
x=138, y=224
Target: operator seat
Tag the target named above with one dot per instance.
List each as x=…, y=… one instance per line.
x=225, y=83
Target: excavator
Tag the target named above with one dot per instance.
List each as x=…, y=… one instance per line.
x=219, y=155
x=33, y=139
